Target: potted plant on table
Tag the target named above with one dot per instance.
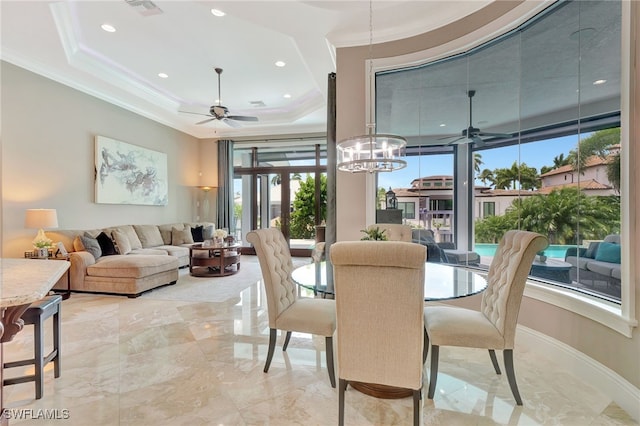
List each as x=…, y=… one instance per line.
x=374, y=234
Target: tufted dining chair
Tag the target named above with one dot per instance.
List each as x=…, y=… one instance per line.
x=494, y=326
x=394, y=231
x=286, y=311
x=380, y=324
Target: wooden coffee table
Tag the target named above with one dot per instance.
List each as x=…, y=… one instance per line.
x=215, y=260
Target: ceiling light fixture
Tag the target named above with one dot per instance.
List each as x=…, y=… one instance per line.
x=280, y=64
x=598, y=82
x=108, y=28
x=163, y=75
x=217, y=12
x=371, y=152
x=287, y=96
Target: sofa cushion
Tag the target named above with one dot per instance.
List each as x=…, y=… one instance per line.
x=608, y=252
x=131, y=236
x=121, y=266
x=90, y=245
x=578, y=262
x=196, y=233
x=154, y=251
x=106, y=244
x=602, y=268
x=149, y=235
x=122, y=242
x=165, y=231
x=207, y=232
x=183, y=236
x=592, y=250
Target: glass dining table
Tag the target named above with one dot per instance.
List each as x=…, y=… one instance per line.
x=441, y=281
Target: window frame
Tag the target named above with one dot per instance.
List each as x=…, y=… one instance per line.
x=620, y=318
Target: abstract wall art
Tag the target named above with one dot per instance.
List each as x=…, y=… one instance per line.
x=129, y=174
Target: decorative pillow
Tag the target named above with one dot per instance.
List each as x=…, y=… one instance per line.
x=165, y=231
x=608, y=252
x=207, y=232
x=122, y=242
x=106, y=245
x=132, y=236
x=196, y=233
x=149, y=235
x=179, y=237
x=592, y=250
x=91, y=245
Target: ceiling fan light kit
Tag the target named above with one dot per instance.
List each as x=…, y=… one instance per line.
x=371, y=152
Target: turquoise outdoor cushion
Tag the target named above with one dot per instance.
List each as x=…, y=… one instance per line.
x=608, y=252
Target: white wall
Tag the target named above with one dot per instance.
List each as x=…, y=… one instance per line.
x=48, y=132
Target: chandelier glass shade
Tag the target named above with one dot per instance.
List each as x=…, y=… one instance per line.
x=371, y=153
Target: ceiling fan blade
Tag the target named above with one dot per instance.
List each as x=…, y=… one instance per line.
x=478, y=141
x=461, y=140
x=206, y=121
x=231, y=123
x=495, y=135
x=195, y=113
x=242, y=118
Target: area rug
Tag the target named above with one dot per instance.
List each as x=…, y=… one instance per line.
x=213, y=289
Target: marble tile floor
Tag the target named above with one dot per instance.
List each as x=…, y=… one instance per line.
x=193, y=354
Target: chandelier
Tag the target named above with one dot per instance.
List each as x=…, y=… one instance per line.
x=371, y=152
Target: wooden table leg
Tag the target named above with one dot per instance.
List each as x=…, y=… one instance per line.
x=10, y=324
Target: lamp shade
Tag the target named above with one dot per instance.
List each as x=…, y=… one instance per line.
x=41, y=218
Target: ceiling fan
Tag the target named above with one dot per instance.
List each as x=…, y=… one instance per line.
x=220, y=112
x=473, y=134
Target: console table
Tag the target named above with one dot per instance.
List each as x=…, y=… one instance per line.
x=22, y=282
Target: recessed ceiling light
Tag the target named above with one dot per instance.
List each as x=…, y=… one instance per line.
x=286, y=96
x=163, y=75
x=108, y=28
x=443, y=125
x=280, y=64
x=597, y=82
x=217, y=12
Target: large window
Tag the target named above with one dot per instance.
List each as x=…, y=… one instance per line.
x=532, y=122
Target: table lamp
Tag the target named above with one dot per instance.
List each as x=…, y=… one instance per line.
x=40, y=219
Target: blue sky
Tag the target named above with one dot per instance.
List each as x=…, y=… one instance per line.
x=535, y=154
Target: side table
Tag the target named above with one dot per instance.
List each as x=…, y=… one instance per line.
x=65, y=293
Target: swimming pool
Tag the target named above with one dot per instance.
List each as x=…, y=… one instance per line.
x=555, y=250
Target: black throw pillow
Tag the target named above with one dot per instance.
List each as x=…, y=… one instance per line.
x=106, y=244
x=197, y=235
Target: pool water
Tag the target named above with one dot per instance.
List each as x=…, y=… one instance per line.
x=556, y=250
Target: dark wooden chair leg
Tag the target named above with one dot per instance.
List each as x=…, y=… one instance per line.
x=494, y=361
x=286, y=341
x=433, y=378
x=425, y=349
x=417, y=398
x=342, y=386
x=273, y=334
x=511, y=374
x=328, y=342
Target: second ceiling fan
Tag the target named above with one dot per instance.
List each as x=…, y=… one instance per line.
x=473, y=134
x=221, y=113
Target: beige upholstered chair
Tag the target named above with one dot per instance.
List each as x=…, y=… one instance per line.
x=494, y=326
x=394, y=231
x=379, y=301
x=286, y=311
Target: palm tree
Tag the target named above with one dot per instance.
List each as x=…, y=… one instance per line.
x=486, y=175
x=526, y=176
x=477, y=161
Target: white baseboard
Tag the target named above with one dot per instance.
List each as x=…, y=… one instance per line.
x=577, y=363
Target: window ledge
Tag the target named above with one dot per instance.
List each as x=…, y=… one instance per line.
x=606, y=313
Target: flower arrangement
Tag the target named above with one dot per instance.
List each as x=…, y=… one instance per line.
x=42, y=242
x=220, y=233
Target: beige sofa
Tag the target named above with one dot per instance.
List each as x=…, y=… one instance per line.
x=128, y=259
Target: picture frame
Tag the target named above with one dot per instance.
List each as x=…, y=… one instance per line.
x=129, y=174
